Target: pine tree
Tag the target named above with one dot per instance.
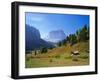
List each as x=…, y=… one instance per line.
x=35, y=52
x=84, y=33
x=64, y=42
x=59, y=44
x=44, y=50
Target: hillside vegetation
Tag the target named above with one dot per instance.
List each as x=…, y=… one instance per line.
x=60, y=56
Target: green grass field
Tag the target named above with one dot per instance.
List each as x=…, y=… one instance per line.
x=59, y=56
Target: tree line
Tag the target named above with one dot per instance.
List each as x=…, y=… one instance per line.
x=81, y=35
x=42, y=50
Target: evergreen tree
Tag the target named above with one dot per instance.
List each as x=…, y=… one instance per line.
x=67, y=38
x=35, y=52
x=64, y=42
x=84, y=34
x=59, y=44
x=73, y=39
x=81, y=35
x=44, y=50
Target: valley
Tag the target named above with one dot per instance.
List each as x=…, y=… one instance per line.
x=60, y=56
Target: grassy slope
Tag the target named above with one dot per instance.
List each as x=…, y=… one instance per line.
x=59, y=56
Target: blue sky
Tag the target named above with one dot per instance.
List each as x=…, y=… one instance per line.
x=46, y=22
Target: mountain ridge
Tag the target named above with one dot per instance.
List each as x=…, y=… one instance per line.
x=33, y=39
x=55, y=36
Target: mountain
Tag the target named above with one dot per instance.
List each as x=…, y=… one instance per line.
x=55, y=36
x=33, y=39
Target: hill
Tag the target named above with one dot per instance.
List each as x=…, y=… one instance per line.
x=60, y=56
x=81, y=47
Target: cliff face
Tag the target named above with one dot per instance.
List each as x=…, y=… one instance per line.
x=56, y=36
x=31, y=33
x=33, y=39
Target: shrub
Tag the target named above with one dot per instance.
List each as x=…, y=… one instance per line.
x=44, y=50
x=51, y=60
x=27, y=58
x=57, y=56
x=84, y=57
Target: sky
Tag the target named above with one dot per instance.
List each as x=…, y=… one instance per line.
x=46, y=22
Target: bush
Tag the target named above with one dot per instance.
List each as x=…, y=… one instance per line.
x=51, y=48
x=75, y=60
x=84, y=57
x=59, y=44
x=57, y=56
x=27, y=58
x=35, y=52
x=51, y=60
x=44, y=50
